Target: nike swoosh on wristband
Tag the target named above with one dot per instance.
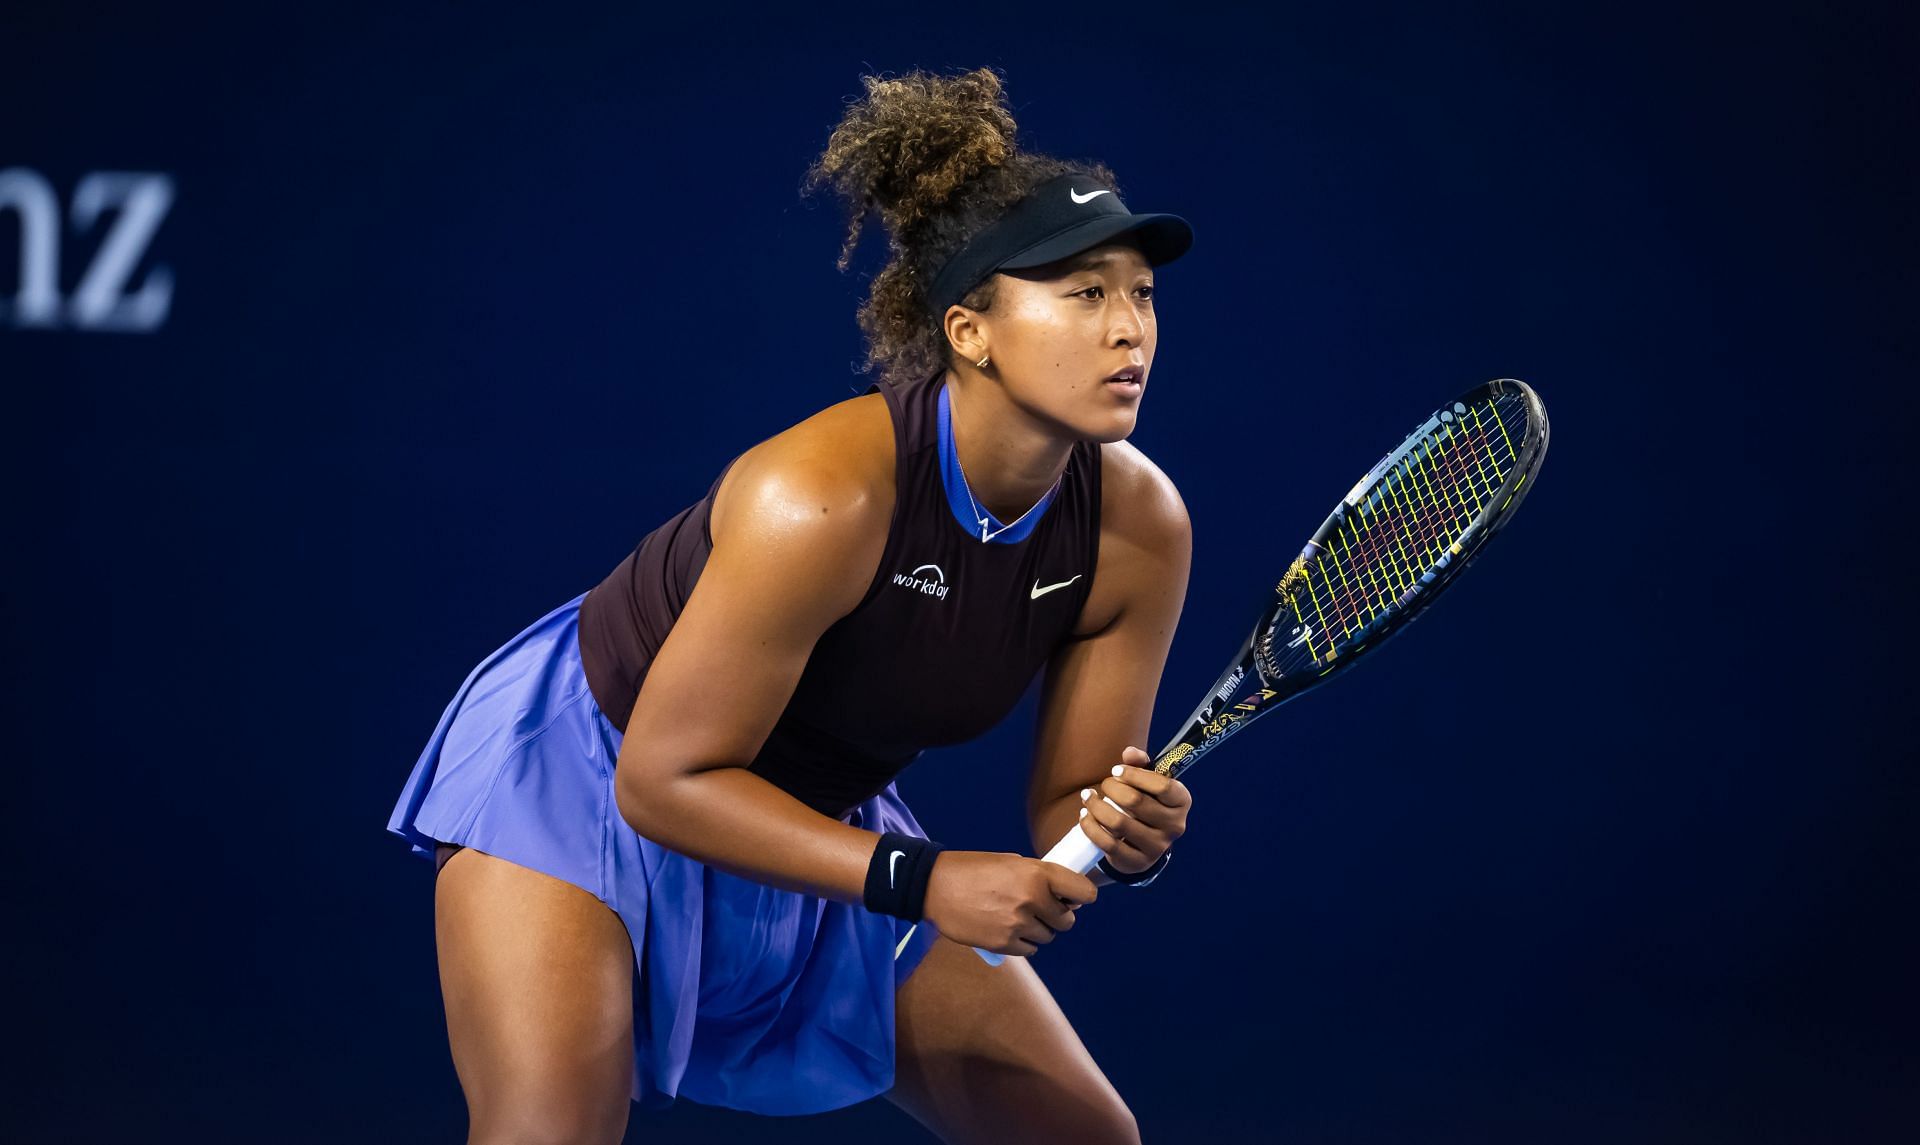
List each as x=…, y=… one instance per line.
x=893, y=862
x=1039, y=592
x=1089, y=197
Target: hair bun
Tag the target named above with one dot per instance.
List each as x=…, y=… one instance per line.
x=911, y=142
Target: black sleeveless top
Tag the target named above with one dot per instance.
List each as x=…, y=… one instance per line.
x=941, y=647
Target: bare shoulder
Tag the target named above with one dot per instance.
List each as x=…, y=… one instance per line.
x=1138, y=501
x=1146, y=538
x=834, y=470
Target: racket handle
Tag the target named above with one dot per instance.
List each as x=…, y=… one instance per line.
x=1075, y=852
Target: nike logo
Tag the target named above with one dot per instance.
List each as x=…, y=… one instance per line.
x=893, y=862
x=1089, y=197
x=1039, y=592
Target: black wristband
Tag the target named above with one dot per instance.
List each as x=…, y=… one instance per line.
x=897, y=875
x=1138, y=878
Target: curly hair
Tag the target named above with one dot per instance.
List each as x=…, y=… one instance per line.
x=936, y=158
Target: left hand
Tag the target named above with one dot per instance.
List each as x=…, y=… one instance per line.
x=1155, y=813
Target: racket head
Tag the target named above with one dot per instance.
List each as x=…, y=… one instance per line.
x=1406, y=529
x=1401, y=535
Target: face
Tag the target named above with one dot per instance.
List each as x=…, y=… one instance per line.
x=1057, y=333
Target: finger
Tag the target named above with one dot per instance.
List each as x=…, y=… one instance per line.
x=1140, y=805
x=1108, y=800
x=1070, y=885
x=1102, y=838
x=1117, y=792
x=1122, y=838
x=1126, y=838
x=1131, y=860
x=1107, y=816
x=1036, y=932
x=1118, y=823
x=1058, y=917
x=1164, y=788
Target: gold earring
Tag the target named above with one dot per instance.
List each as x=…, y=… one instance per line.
x=982, y=363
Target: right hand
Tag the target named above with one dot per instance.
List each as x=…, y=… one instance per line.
x=1004, y=903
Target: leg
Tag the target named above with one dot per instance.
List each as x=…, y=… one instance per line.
x=985, y=1055
x=537, y=976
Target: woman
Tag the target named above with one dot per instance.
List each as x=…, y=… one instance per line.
x=672, y=858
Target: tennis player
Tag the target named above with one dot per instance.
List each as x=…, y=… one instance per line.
x=671, y=857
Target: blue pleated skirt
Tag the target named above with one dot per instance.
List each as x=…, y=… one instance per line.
x=755, y=998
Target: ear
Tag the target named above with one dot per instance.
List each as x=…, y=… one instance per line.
x=966, y=333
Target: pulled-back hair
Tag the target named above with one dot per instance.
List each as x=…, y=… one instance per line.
x=936, y=157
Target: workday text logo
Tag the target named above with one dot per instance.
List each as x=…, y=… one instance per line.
x=103, y=299
x=934, y=585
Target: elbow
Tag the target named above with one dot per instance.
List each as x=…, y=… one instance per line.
x=629, y=807
x=640, y=793
x=650, y=791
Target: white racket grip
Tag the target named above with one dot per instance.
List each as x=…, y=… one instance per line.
x=1075, y=852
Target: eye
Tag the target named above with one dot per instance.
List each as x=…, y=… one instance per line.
x=1145, y=293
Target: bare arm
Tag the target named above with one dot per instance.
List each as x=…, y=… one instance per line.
x=1097, y=698
x=797, y=536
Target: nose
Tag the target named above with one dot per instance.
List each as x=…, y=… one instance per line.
x=1127, y=327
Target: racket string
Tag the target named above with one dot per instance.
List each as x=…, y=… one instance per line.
x=1408, y=522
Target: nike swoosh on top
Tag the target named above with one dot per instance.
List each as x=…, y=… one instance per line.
x=893, y=862
x=1039, y=592
x=1089, y=197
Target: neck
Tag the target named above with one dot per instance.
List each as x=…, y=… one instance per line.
x=1011, y=459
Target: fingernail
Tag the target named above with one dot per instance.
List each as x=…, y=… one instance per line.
x=1083, y=813
x=1119, y=769
x=1086, y=793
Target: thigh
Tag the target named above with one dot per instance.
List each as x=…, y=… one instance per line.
x=538, y=980
x=985, y=1055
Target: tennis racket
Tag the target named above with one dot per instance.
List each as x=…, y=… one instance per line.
x=1400, y=536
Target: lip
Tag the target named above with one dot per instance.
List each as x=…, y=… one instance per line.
x=1129, y=378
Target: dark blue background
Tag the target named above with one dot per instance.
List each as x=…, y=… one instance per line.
x=1614, y=847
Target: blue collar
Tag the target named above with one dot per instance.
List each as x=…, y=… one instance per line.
x=955, y=484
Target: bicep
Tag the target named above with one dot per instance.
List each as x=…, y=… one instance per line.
x=1097, y=697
